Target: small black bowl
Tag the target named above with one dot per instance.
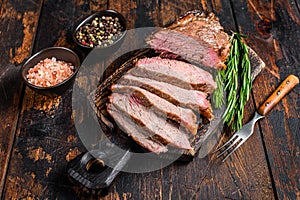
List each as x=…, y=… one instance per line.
x=106, y=13
x=60, y=53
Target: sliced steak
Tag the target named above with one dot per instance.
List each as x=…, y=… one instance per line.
x=208, y=29
x=137, y=133
x=193, y=99
x=156, y=126
x=196, y=37
x=187, y=47
x=175, y=72
x=182, y=116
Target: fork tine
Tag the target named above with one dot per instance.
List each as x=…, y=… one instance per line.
x=226, y=143
x=233, y=143
x=242, y=141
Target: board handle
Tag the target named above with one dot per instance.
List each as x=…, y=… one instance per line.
x=287, y=85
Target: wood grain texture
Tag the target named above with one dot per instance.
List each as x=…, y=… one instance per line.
x=33, y=165
x=283, y=89
x=37, y=170
x=46, y=138
x=273, y=29
x=18, y=20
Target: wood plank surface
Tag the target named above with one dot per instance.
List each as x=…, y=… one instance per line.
x=274, y=29
x=19, y=19
x=46, y=137
x=38, y=136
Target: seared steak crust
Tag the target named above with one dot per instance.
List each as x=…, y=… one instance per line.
x=208, y=29
x=197, y=37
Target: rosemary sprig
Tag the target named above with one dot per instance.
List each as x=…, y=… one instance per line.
x=218, y=95
x=231, y=80
x=238, y=71
x=246, y=85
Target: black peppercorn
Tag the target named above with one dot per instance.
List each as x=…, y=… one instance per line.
x=101, y=32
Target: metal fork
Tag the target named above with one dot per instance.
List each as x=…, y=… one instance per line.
x=247, y=130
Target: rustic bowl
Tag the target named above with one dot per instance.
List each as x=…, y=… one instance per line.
x=110, y=13
x=60, y=53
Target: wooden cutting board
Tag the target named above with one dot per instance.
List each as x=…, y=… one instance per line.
x=208, y=132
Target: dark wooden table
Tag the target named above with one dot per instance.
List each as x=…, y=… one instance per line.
x=38, y=136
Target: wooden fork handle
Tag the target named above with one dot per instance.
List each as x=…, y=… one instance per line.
x=287, y=85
